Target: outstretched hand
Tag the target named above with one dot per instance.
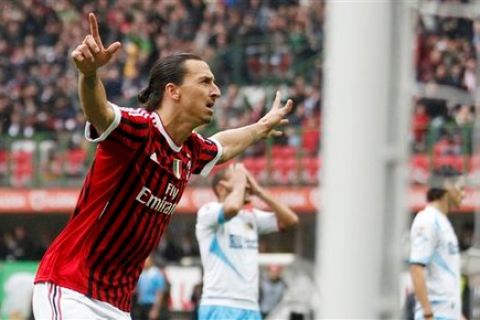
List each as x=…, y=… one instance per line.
x=276, y=116
x=91, y=54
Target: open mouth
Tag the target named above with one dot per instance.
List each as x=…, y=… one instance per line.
x=210, y=104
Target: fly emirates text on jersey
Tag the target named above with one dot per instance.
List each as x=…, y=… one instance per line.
x=146, y=197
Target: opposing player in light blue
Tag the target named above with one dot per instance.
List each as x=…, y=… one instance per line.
x=227, y=232
x=434, y=256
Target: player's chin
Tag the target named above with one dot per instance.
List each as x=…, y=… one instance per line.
x=207, y=118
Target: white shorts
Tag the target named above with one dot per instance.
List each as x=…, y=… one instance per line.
x=57, y=303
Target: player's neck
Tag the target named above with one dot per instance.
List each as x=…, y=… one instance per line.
x=441, y=205
x=174, y=123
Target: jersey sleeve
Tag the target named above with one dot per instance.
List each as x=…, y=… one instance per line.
x=207, y=152
x=210, y=215
x=130, y=128
x=422, y=239
x=266, y=221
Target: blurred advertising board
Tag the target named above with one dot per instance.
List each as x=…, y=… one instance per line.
x=300, y=199
x=16, y=288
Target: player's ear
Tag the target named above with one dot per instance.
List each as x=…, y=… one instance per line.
x=173, y=91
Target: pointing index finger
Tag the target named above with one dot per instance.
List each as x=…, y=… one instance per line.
x=94, y=29
x=276, y=102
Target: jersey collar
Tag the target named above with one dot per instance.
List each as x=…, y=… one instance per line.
x=158, y=123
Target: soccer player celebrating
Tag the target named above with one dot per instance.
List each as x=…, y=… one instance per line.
x=434, y=256
x=142, y=164
x=227, y=232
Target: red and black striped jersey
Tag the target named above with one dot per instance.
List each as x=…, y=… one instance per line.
x=126, y=202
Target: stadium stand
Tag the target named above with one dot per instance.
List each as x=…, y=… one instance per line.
x=247, y=43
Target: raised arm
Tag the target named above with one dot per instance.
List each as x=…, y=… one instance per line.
x=235, y=200
x=235, y=141
x=88, y=57
x=285, y=216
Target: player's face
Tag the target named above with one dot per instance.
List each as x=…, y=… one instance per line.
x=456, y=194
x=198, y=91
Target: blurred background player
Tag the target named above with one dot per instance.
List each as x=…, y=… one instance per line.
x=152, y=293
x=227, y=232
x=434, y=256
x=143, y=161
x=272, y=289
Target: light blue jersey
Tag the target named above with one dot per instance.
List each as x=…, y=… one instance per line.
x=435, y=245
x=150, y=282
x=229, y=252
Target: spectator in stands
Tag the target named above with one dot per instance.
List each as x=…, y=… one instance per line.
x=445, y=52
x=227, y=232
x=420, y=123
x=464, y=117
x=448, y=145
x=311, y=136
x=35, y=40
x=37, y=84
x=19, y=245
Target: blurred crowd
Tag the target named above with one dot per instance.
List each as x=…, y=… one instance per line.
x=20, y=243
x=248, y=42
x=444, y=118
x=445, y=52
x=254, y=47
x=29, y=243
x=17, y=244
x=442, y=126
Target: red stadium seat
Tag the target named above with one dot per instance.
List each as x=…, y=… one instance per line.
x=257, y=167
x=473, y=167
x=420, y=161
x=22, y=168
x=474, y=164
x=309, y=169
x=281, y=151
x=455, y=161
x=3, y=162
x=75, y=162
x=419, y=168
x=284, y=170
x=311, y=141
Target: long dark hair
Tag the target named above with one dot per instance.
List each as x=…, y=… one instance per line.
x=170, y=69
